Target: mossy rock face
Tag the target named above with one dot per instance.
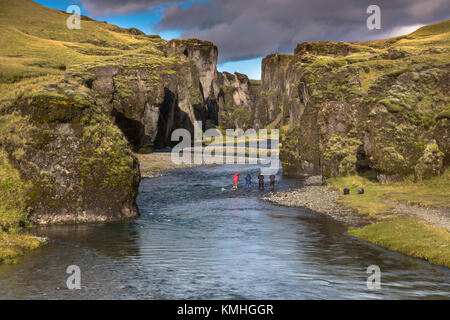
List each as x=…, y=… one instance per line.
x=278, y=94
x=13, y=211
x=397, y=91
x=324, y=48
x=340, y=156
x=400, y=125
x=430, y=164
x=442, y=137
x=53, y=108
x=242, y=118
x=338, y=142
x=78, y=165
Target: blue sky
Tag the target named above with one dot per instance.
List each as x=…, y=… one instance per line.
x=146, y=22
x=247, y=30
x=251, y=67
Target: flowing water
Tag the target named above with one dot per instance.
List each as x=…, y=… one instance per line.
x=198, y=239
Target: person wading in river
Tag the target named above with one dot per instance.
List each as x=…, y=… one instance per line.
x=248, y=181
x=261, y=181
x=272, y=181
x=235, y=181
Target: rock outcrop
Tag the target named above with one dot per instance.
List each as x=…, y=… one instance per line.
x=150, y=98
x=76, y=162
x=237, y=101
x=358, y=107
x=278, y=95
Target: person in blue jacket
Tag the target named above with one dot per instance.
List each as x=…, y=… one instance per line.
x=248, y=181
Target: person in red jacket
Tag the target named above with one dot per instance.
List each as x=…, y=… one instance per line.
x=235, y=181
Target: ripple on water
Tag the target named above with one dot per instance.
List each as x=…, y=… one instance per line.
x=197, y=239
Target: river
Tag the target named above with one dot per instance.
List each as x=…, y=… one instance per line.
x=198, y=239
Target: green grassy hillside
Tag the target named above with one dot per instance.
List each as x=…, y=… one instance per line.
x=54, y=131
x=32, y=33
x=35, y=42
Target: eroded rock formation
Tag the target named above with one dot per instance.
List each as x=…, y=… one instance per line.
x=351, y=109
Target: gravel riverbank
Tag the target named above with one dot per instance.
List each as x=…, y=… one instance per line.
x=154, y=164
x=319, y=198
x=323, y=199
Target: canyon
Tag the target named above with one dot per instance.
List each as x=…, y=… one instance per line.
x=71, y=127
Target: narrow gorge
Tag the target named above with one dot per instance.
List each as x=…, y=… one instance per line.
x=70, y=127
x=87, y=117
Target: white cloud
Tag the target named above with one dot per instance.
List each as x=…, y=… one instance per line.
x=400, y=31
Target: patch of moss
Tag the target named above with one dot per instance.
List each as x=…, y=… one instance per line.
x=14, y=245
x=242, y=117
x=411, y=237
x=443, y=115
x=13, y=214
x=391, y=105
x=341, y=152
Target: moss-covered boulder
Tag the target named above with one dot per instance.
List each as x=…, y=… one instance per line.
x=442, y=137
x=430, y=164
x=77, y=164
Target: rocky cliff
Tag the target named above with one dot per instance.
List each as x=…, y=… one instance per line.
x=379, y=106
x=237, y=101
x=150, y=97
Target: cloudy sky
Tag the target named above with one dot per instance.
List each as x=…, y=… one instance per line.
x=247, y=30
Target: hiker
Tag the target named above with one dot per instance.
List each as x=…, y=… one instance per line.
x=272, y=181
x=248, y=181
x=261, y=181
x=235, y=181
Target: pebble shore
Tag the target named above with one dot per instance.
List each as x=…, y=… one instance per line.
x=319, y=198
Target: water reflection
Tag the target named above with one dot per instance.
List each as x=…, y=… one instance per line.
x=116, y=240
x=198, y=239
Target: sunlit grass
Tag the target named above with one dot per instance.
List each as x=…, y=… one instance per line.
x=13, y=215
x=35, y=41
x=14, y=245
x=409, y=236
x=428, y=193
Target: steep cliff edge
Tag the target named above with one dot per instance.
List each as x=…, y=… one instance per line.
x=352, y=107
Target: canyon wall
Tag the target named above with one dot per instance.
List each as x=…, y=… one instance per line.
x=360, y=107
x=150, y=102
